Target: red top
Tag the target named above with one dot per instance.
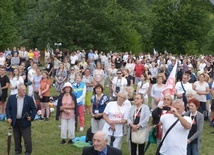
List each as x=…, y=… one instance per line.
x=139, y=69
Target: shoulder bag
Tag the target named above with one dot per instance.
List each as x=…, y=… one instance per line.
x=184, y=95
x=139, y=136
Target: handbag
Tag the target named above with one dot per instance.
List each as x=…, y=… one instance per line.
x=112, y=139
x=161, y=143
x=139, y=136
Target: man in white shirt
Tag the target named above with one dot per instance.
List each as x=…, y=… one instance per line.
x=176, y=140
x=180, y=91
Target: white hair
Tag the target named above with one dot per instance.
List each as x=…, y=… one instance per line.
x=191, y=93
x=178, y=101
x=124, y=93
x=21, y=86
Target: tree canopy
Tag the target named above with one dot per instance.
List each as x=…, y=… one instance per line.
x=178, y=26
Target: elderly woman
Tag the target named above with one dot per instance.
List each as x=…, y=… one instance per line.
x=138, y=119
x=158, y=112
x=190, y=94
x=98, y=104
x=67, y=110
x=194, y=137
x=115, y=117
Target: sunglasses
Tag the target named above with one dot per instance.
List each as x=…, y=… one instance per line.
x=119, y=73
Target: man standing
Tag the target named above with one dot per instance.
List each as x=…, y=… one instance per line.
x=181, y=87
x=20, y=111
x=100, y=147
x=4, y=82
x=176, y=139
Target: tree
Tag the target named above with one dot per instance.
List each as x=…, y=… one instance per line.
x=8, y=33
x=179, y=22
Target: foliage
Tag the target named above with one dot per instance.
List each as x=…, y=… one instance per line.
x=118, y=25
x=180, y=22
x=7, y=29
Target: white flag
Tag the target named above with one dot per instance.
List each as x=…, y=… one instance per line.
x=169, y=88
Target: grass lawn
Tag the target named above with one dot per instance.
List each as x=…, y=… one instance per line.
x=46, y=139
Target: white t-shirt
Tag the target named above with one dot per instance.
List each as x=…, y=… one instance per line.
x=73, y=59
x=176, y=140
x=2, y=61
x=198, y=87
x=119, y=83
x=115, y=112
x=130, y=67
x=15, y=83
x=179, y=89
x=31, y=74
x=125, y=57
x=142, y=89
x=201, y=66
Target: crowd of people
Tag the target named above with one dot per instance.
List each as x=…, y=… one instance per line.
x=134, y=85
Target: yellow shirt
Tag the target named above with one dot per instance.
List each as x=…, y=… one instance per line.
x=30, y=55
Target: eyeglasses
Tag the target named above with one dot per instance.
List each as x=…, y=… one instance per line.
x=166, y=99
x=119, y=73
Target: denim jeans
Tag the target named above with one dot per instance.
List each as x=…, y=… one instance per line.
x=192, y=149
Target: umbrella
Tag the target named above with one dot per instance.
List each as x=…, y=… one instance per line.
x=9, y=139
x=152, y=137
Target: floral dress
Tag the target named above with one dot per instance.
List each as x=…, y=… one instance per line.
x=60, y=76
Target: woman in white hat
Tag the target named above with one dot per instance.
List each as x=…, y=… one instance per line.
x=66, y=109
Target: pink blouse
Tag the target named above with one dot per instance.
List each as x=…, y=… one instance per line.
x=67, y=113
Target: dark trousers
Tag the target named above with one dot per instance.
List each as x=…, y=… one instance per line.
x=19, y=132
x=140, y=149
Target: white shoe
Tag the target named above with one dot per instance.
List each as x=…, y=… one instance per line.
x=81, y=129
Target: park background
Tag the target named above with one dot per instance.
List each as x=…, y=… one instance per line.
x=177, y=26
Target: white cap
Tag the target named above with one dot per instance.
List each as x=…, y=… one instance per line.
x=67, y=84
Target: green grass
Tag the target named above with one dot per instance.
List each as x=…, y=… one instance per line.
x=46, y=139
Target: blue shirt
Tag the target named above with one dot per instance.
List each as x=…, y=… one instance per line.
x=104, y=152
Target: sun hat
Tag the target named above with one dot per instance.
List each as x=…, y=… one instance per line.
x=67, y=84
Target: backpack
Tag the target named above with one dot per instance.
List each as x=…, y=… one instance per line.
x=2, y=117
x=89, y=135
